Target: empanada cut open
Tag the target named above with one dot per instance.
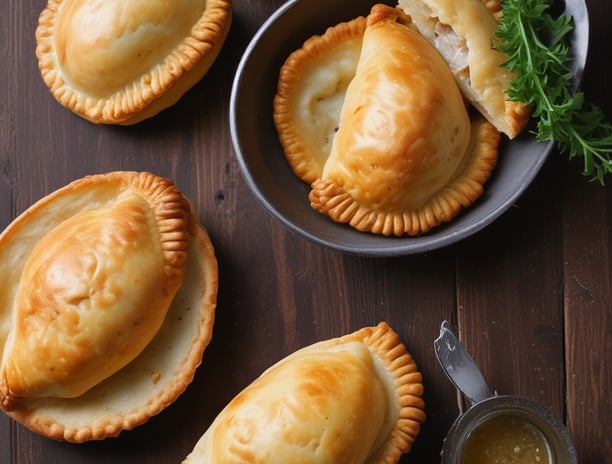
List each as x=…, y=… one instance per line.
x=407, y=153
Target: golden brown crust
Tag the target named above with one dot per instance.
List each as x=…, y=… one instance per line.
x=356, y=398
x=165, y=365
x=398, y=161
x=119, y=71
x=385, y=343
x=517, y=115
x=494, y=7
x=464, y=33
x=311, y=88
x=333, y=200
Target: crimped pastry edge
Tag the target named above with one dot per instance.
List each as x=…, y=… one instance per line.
x=465, y=188
x=100, y=413
x=154, y=91
x=392, y=360
x=298, y=156
x=385, y=344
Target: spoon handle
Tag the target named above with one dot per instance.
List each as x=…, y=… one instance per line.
x=459, y=366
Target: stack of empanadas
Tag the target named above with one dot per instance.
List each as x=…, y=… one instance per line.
x=370, y=114
x=353, y=400
x=107, y=303
x=119, y=62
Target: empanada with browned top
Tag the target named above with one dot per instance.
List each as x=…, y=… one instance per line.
x=107, y=303
x=464, y=34
x=355, y=399
x=119, y=62
x=408, y=154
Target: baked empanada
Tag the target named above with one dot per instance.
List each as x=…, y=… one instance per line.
x=407, y=155
x=119, y=62
x=353, y=400
x=464, y=34
x=107, y=304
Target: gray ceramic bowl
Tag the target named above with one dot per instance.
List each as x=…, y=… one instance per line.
x=285, y=197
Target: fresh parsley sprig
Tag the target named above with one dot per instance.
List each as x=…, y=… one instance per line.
x=538, y=55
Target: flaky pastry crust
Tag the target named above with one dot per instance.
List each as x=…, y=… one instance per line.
x=108, y=305
x=332, y=199
x=117, y=62
x=464, y=33
x=407, y=156
x=354, y=399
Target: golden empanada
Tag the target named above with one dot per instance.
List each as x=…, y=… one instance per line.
x=107, y=304
x=464, y=34
x=119, y=62
x=407, y=155
x=337, y=200
x=355, y=399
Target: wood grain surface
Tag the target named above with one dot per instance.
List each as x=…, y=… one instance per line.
x=531, y=294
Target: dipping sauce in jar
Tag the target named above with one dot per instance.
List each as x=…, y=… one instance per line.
x=506, y=439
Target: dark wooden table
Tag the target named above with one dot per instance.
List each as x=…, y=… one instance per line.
x=531, y=294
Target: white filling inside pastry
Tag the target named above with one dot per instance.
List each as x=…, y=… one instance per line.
x=464, y=34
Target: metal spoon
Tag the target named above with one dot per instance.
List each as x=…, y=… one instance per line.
x=465, y=375
x=459, y=366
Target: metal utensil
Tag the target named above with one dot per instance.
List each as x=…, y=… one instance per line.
x=484, y=405
x=459, y=366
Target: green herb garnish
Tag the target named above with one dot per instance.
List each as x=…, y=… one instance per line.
x=535, y=43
